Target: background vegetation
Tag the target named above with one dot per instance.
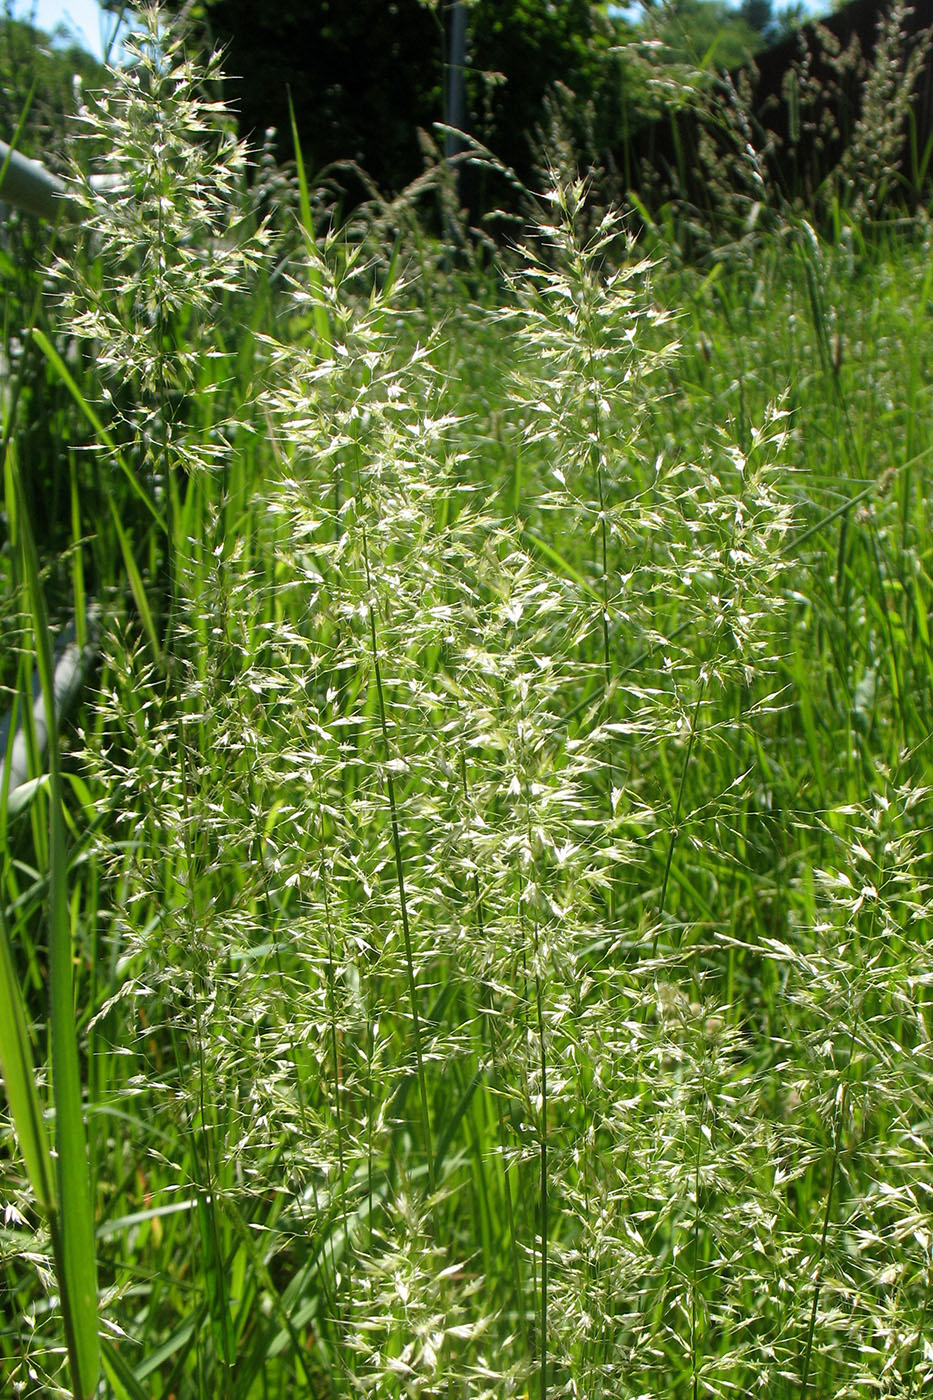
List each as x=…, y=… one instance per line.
x=364, y=80
x=474, y=938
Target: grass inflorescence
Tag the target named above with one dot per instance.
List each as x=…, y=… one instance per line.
x=493, y=857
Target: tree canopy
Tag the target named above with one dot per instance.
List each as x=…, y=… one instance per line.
x=37, y=77
x=365, y=78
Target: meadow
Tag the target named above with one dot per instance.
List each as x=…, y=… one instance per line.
x=472, y=940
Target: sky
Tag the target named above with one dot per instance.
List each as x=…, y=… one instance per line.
x=82, y=17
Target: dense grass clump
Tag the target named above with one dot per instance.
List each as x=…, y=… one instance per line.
x=494, y=852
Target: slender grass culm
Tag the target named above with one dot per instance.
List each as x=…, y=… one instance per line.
x=67, y=1205
x=485, y=899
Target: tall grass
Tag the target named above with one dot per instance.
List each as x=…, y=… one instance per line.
x=498, y=833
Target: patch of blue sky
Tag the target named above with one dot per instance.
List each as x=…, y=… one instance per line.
x=84, y=21
x=810, y=7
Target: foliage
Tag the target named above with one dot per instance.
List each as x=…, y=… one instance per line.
x=829, y=125
x=364, y=82
x=707, y=32
x=532, y=47
x=39, y=78
x=40, y=86
x=362, y=79
x=366, y=85
x=498, y=837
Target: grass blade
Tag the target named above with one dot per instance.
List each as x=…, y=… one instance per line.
x=20, y=1080
x=124, y=1384
x=136, y=585
x=61, y=369
x=73, y=1225
x=321, y=323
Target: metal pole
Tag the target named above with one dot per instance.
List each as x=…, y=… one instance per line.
x=455, y=115
x=28, y=185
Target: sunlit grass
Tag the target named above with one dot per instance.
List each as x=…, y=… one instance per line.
x=497, y=833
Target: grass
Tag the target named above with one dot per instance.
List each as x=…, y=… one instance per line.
x=494, y=875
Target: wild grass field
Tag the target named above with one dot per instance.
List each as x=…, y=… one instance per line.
x=473, y=937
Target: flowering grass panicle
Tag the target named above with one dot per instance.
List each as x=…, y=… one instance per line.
x=500, y=842
x=168, y=243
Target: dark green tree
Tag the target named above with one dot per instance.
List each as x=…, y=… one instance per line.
x=759, y=16
x=363, y=77
x=366, y=76
x=37, y=75
x=519, y=51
